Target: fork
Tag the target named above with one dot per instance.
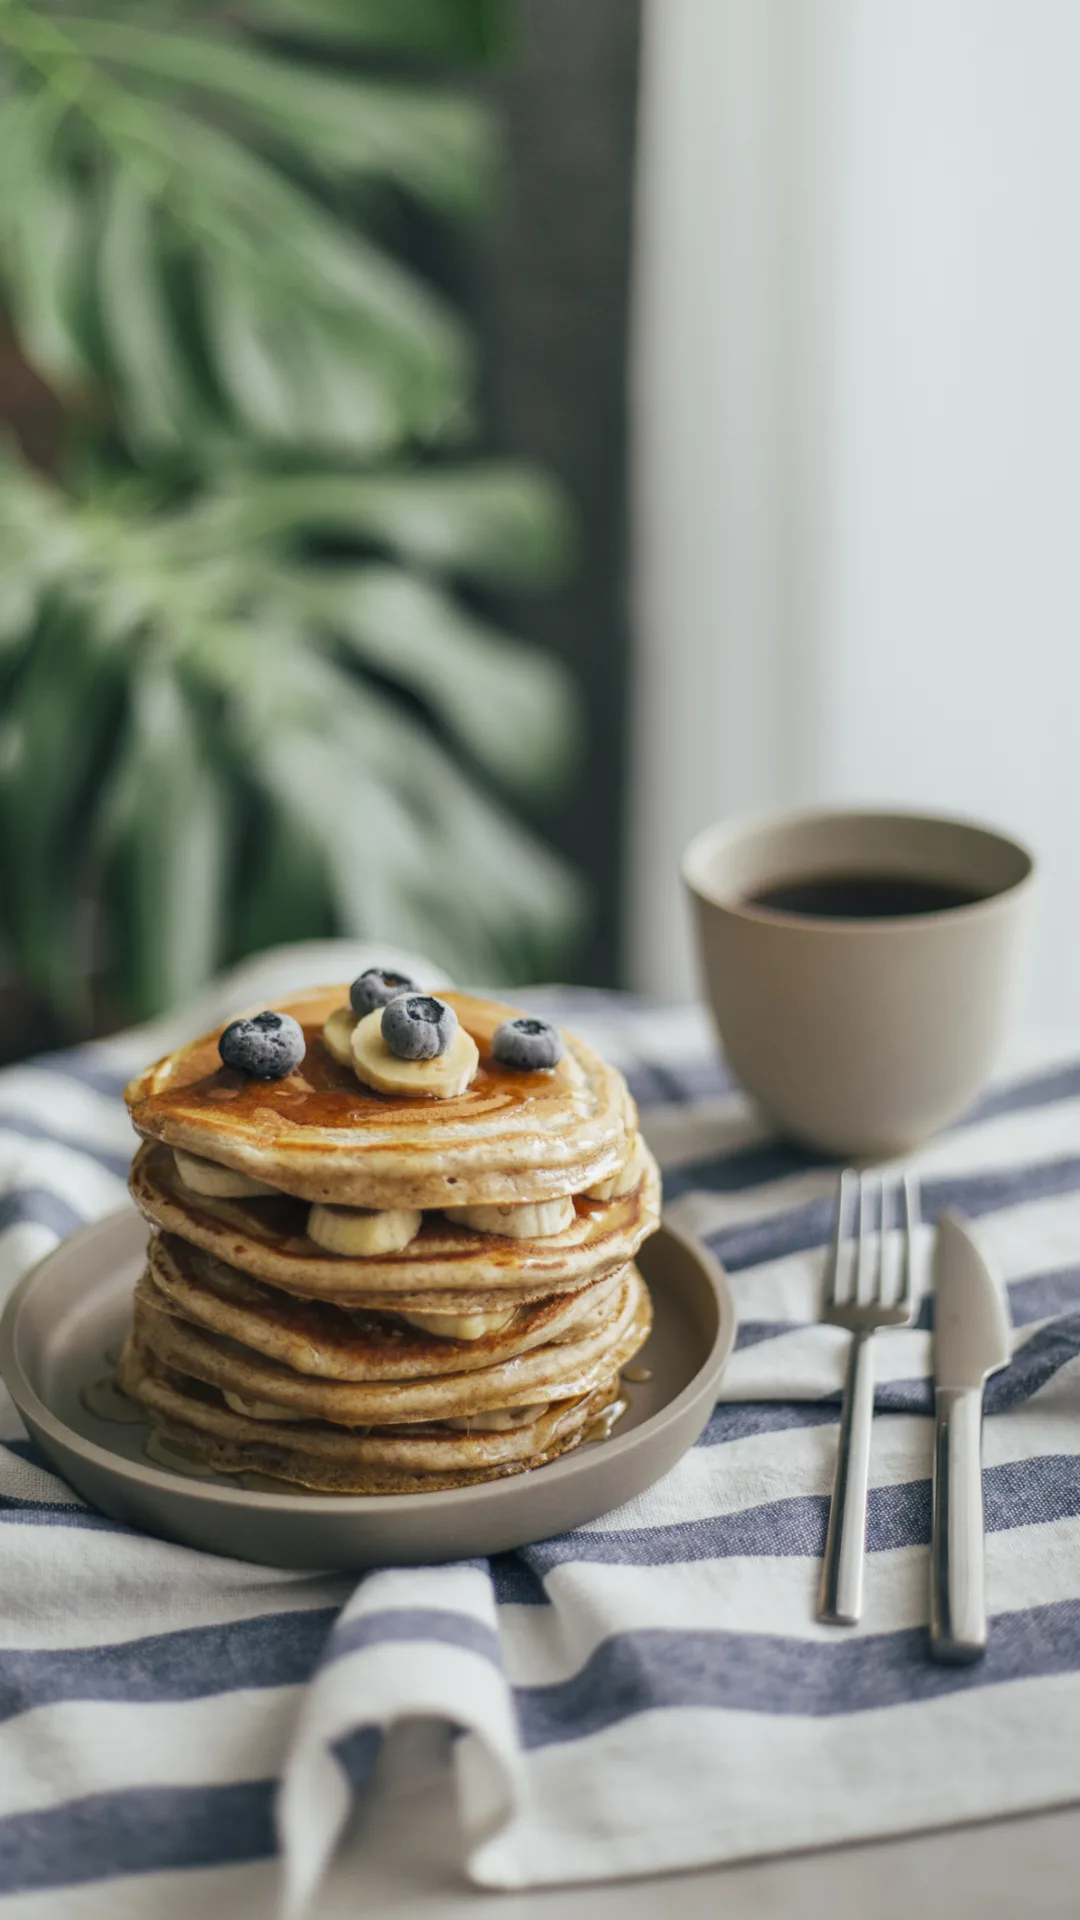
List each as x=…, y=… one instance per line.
x=858, y=1299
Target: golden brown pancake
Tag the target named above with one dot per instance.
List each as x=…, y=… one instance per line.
x=322, y=1135
x=569, y=1366
x=328, y=1459
x=314, y=1337
x=264, y=1353
x=444, y=1264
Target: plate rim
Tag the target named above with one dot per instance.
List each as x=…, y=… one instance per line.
x=30, y=1405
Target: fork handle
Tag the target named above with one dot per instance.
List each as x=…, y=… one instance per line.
x=957, y=1547
x=840, y=1601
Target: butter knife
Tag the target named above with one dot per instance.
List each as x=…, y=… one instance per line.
x=972, y=1339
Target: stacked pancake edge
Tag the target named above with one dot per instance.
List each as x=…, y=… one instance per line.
x=450, y=1353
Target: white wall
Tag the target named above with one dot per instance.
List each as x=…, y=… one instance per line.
x=858, y=402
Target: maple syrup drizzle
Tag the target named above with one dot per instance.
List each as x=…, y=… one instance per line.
x=603, y=1424
x=176, y=1456
x=266, y=1483
x=185, y=1460
x=323, y=1092
x=106, y=1401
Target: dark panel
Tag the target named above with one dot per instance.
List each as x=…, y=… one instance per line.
x=551, y=300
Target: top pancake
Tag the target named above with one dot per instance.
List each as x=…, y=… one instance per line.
x=322, y=1135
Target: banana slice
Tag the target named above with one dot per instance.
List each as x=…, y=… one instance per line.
x=260, y=1409
x=439, y=1079
x=337, y=1035
x=531, y=1220
x=362, y=1230
x=214, y=1182
x=460, y=1326
x=624, y=1181
x=497, y=1419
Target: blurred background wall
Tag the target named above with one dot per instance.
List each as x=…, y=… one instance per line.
x=858, y=432
x=551, y=295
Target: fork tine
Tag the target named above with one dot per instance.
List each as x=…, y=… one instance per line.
x=883, y=1230
x=862, y=1250
x=832, y=1270
x=911, y=1216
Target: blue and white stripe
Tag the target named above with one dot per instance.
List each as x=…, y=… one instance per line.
x=650, y=1692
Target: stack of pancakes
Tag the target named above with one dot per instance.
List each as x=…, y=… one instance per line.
x=459, y=1356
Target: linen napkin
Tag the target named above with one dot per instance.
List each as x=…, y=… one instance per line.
x=650, y=1692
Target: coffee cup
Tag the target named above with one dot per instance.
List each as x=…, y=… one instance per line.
x=861, y=966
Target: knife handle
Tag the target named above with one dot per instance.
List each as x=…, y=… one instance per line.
x=957, y=1550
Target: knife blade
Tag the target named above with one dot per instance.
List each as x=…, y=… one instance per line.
x=972, y=1339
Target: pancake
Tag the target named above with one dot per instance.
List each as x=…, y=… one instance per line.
x=445, y=1267
x=326, y=1459
x=320, y=1134
x=314, y=1337
x=455, y=1357
x=570, y=1366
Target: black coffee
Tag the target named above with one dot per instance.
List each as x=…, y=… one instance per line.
x=862, y=896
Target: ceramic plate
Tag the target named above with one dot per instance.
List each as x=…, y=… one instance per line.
x=63, y=1325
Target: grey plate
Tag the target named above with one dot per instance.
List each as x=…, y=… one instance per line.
x=72, y=1311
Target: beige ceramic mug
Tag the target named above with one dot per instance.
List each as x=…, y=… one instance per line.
x=860, y=1035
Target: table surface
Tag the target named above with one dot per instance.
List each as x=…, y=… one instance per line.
x=400, y=1862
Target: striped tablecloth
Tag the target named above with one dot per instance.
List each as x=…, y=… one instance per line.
x=650, y=1692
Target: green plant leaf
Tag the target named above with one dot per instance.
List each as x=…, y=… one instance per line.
x=511, y=706
x=281, y=887
x=503, y=525
x=432, y=29
x=59, y=719
x=39, y=548
x=416, y=855
x=410, y=846
x=395, y=839
x=242, y=215
x=153, y=394
x=238, y=699
x=369, y=328
x=40, y=238
x=437, y=145
x=164, y=833
x=289, y=378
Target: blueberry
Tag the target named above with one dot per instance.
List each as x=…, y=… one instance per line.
x=528, y=1044
x=265, y=1048
x=416, y=1026
x=376, y=987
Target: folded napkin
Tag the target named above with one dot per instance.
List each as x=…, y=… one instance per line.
x=650, y=1692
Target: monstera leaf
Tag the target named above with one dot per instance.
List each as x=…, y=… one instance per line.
x=246, y=685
